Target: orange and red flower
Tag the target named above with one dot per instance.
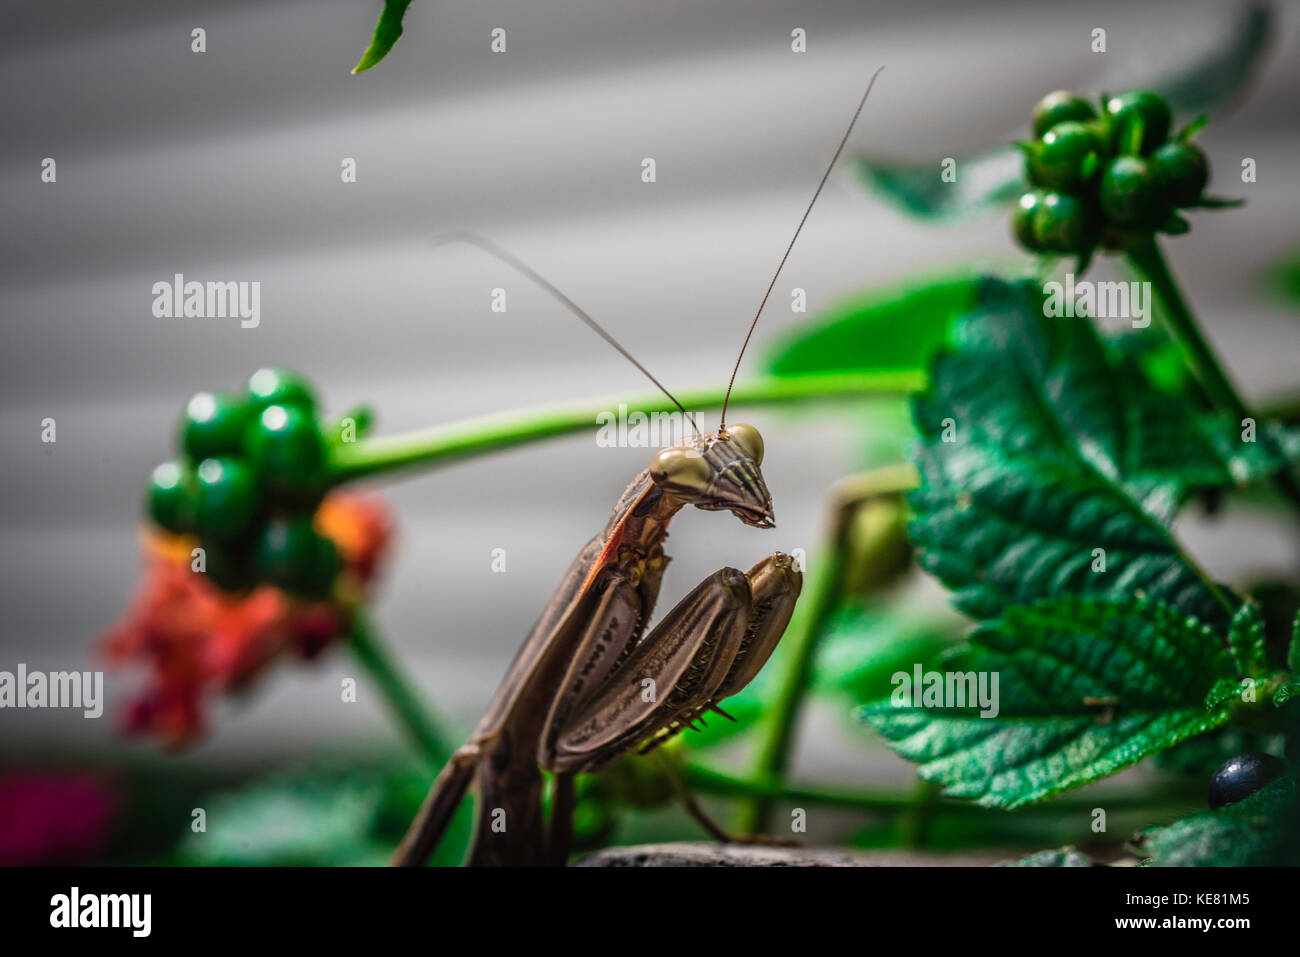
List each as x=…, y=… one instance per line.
x=197, y=639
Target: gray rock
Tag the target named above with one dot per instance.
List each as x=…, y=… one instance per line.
x=749, y=855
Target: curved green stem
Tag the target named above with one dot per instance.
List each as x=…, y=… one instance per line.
x=463, y=440
x=404, y=701
x=708, y=780
x=1146, y=257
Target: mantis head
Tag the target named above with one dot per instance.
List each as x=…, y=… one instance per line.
x=719, y=472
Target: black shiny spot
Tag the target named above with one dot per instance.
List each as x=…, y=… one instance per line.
x=1242, y=776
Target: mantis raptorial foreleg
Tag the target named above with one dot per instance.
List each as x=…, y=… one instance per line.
x=613, y=697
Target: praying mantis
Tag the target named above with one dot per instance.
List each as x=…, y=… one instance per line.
x=588, y=685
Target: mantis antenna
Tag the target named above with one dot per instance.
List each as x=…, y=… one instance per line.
x=722, y=425
x=492, y=249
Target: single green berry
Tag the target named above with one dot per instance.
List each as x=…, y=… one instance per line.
x=1059, y=107
x=227, y=499
x=267, y=387
x=1067, y=158
x=285, y=554
x=1022, y=220
x=213, y=425
x=1064, y=224
x=1124, y=110
x=170, y=498
x=288, y=452
x=1185, y=170
x=1133, y=194
x=1242, y=776
x=228, y=565
x=292, y=555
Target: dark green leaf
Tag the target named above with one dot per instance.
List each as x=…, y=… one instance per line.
x=387, y=31
x=1192, y=81
x=887, y=330
x=1058, y=448
x=1285, y=693
x=1085, y=687
x=1259, y=830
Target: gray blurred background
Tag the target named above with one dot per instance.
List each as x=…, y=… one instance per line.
x=226, y=165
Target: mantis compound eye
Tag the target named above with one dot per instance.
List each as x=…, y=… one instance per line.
x=747, y=437
x=681, y=470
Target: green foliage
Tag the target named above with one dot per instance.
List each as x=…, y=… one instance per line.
x=323, y=815
x=1190, y=84
x=1246, y=638
x=387, y=32
x=1060, y=447
x=1260, y=830
x=863, y=647
x=1086, y=687
x=885, y=330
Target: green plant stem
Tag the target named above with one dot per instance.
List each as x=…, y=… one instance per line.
x=1145, y=256
x=707, y=780
x=404, y=701
x=450, y=443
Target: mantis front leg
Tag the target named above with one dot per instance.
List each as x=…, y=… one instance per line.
x=708, y=647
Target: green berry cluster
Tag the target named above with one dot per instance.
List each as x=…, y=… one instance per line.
x=253, y=468
x=1103, y=179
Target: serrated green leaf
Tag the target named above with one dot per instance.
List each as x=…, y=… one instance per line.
x=1085, y=687
x=1064, y=857
x=1191, y=83
x=887, y=330
x=1259, y=830
x=1039, y=446
x=387, y=32
x=1246, y=639
x=1285, y=693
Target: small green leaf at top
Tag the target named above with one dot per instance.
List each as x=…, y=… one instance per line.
x=387, y=32
x=1082, y=687
x=1258, y=831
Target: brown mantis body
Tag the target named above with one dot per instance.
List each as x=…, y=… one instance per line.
x=589, y=684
